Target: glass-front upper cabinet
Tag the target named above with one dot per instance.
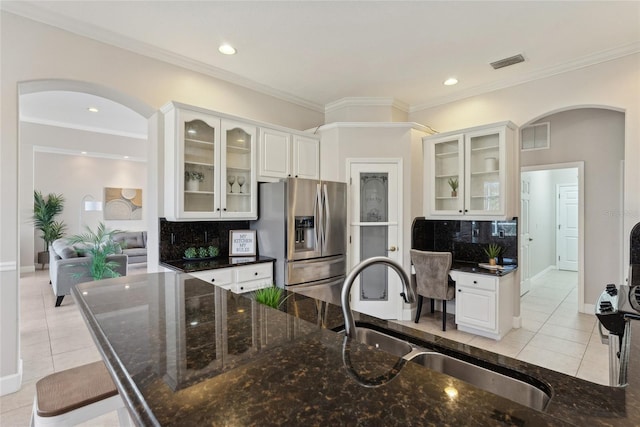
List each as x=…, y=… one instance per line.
x=209, y=166
x=447, y=164
x=201, y=150
x=471, y=172
x=484, y=171
x=240, y=173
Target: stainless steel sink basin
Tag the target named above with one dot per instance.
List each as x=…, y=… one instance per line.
x=383, y=342
x=485, y=379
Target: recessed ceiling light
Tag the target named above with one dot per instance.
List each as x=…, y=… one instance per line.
x=451, y=81
x=83, y=152
x=227, y=49
x=126, y=157
x=93, y=109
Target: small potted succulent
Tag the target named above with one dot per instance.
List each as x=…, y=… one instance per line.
x=453, y=183
x=191, y=253
x=213, y=251
x=493, y=251
x=192, y=180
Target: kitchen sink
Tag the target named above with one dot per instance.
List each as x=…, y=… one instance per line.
x=384, y=342
x=486, y=378
x=494, y=382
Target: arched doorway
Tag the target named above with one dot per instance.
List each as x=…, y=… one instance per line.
x=588, y=140
x=56, y=126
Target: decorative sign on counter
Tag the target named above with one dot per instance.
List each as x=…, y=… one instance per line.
x=242, y=242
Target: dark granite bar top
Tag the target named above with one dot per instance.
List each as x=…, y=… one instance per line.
x=188, y=266
x=184, y=352
x=472, y=267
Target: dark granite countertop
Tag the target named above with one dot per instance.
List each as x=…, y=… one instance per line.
x=188, y=266
x=472, y=267
x=184, y=352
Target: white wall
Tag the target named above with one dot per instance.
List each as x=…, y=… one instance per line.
x=614, y=84
x=32, y=51
x=76, y=176
x=57, y=173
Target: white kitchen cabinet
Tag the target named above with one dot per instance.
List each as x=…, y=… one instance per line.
x=284, y=154
x=220, y=153
x=484, y=303
x=484, y=162
x=239, y=279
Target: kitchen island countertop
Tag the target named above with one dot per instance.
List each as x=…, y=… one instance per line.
x=184, y=352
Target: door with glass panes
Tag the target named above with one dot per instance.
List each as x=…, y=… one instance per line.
x=375, y=212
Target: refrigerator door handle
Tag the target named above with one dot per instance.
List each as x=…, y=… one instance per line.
x=326, y=227
x=318, y=214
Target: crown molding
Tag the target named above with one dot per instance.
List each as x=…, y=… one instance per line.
x=387, y=125
x=69, y=152
x=366, y=102
x=35, y=13
x=83, y=127
x=585, y=61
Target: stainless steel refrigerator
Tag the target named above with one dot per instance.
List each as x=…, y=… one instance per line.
x=302, y=223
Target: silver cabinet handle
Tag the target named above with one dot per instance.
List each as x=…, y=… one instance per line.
x=392, y=249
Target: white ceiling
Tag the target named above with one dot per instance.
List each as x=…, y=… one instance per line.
x=318, y=52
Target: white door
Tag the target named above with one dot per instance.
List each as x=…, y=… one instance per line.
x=524, y=257
x=375, y=212
x=567, y=232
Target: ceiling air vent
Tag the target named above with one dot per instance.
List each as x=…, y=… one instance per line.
x=516, y=59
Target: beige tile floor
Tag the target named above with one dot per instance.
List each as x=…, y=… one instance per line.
x=553, y=335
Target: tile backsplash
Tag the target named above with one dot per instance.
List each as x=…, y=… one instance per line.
x=466, y=240
x=176, y=237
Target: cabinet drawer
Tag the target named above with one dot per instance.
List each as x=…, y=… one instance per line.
x=252, y=285
x=254, y=272
x=476, y=281
x=223, y=276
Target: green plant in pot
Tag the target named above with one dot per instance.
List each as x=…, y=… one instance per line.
x=493, y=251
x=271, y=296
x=453, y=183
x=98, y=245
x=45, y=209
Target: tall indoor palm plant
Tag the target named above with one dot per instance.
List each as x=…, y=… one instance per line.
x=45, y=209
x=99, y=245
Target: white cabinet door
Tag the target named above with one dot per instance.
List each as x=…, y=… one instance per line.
x=275, y=154
x=192, y=151
x=239, y=199
x=306, y=157
x=476, y=308
x=485, y=160
x=446, y=160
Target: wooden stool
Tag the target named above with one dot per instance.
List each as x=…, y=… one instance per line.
x=77, y=395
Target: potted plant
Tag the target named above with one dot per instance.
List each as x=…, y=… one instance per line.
x=99, y=245
x=45, y=209
x=192, y=180
x=493, y=251
x=453, y=183
x=271, y=296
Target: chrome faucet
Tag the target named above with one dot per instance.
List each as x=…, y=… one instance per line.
x=349, y=322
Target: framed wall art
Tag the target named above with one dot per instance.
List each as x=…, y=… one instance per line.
x=122, y=203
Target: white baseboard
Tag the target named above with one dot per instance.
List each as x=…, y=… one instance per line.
x=588, y=309
x=517, y=322
x=543, y=272
x=11, y=383
x=27, y=269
